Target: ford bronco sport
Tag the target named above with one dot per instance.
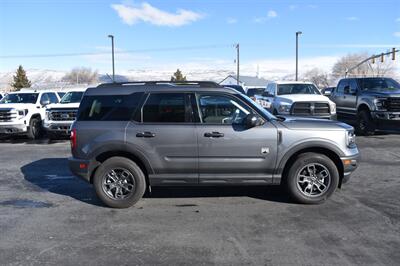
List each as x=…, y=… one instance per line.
x=132, y=136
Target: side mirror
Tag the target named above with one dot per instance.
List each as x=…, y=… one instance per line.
x=45, y=102
x=252, y=120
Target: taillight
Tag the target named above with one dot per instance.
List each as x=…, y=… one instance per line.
x=73, y=138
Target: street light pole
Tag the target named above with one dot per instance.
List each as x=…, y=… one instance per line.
x=112, y=51
x=237, y=64
x=297, y=54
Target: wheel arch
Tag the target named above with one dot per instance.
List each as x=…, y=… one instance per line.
x=330, y=152
x=142, y=162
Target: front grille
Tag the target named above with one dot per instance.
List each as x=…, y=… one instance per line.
x=393, y=104
x=63, y=115
x=310, y=109
x=7, y=115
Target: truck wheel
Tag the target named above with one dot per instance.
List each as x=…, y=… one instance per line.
x=35, y=127
x=365, y=124
x=312, y=178
x=119, y=182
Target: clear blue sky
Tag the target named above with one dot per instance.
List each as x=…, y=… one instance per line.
x=264, y=29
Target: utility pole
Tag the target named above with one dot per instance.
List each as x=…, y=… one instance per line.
x=297, y=54
x=237, y=63
x=112, y=51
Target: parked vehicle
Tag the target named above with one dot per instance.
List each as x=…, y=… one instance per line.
x=237, y=88
x=22, y=112
x=368, y=103
x=298, y=98
x=327, y=91
x=132, y=136
x=59, y=116
x=252, y=92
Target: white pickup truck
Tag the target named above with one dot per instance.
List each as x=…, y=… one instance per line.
x=298, y=98
x=22, y=112
x=60, y=116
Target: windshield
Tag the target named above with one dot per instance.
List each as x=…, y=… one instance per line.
x=252, y=92
x=379, y=84
x=297, y=89
x=20, y=98
x=72, y=97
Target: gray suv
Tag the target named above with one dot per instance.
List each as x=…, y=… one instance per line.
x=129, y=137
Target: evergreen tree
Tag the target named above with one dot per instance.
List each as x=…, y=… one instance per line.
x=178, y=76
x=20, y=79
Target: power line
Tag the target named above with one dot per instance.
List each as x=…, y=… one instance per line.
x=167, y=49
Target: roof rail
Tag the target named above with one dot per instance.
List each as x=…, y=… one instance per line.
x=201, y=84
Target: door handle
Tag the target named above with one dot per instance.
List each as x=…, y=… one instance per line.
x=145, y=135
x=213, y=135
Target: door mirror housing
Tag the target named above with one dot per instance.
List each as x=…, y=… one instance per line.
x=252, y=120
x=45, y=102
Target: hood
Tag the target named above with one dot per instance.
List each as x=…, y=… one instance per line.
x=63, y=106
x=388, y=93
x=19, y=106
x=291, y=98
x=300, y=123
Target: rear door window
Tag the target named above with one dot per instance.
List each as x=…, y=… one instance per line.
x=165, y=108
x=109, y=107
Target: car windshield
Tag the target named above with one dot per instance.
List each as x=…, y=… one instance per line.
x=379, y=84
x=20, y=98
x=72, y=97
x=253, y=91
x=297, y=89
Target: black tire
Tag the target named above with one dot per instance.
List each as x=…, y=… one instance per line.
x=35, y=128
x=274, y=112
x=137, y=181
x=365, y=124
x=295, y=188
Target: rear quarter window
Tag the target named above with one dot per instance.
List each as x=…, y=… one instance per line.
x=109, y=107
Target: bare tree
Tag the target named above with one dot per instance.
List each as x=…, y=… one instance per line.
x=81, y=75
x=318, y=77
x=379, y=68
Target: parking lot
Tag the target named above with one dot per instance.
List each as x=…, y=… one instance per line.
x=48, y=216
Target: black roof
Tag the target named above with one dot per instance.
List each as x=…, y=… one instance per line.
x=129, y=87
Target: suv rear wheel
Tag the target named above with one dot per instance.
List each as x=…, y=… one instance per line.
x=365, y=124
x=312, y=178
x=119, y=182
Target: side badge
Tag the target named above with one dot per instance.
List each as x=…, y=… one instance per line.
x=265, y=150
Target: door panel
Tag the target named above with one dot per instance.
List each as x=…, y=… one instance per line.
x=167, y=138
x=228, y=151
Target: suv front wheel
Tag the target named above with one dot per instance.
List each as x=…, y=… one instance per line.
x=119, y=182
x=312, y=178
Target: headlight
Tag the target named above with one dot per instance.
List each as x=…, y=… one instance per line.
x=22, y=113
x=332, y=105
x=380, y=103
x=350, y=139
x=284, y=108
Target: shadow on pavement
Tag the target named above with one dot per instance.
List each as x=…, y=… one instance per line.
x=24, y=140
x=53, y=175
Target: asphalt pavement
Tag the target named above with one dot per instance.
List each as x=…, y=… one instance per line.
x=50, y=217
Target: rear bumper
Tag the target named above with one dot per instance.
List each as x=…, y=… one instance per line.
x=350, y=164
x=82, y=168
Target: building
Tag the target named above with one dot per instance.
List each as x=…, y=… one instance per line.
x=244, y=81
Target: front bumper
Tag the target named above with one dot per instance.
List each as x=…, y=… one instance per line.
x=82, y=168
x=13, y=128
x=58, y=127
x=350, y=164
x=386, y=120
